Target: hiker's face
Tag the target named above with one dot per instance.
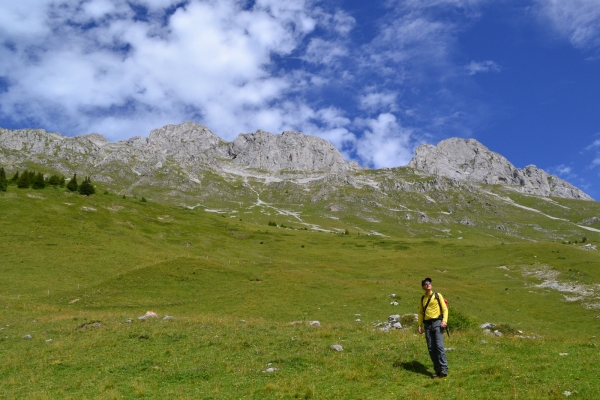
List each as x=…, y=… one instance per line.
x=427, y=286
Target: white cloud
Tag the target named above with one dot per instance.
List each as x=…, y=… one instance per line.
x=563, y=171
x=593, y=145
x=476, y=67
x=212, y=60
x=320, y=51
x=385, y=143
x=577, y=20
x=374, y=101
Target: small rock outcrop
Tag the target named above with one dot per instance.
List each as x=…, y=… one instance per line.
x=289, y=151
x=469, y=160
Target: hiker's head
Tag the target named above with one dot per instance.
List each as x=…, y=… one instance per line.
x=426, y=283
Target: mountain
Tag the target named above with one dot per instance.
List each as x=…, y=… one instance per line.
x=195, y=149
x=468, y=160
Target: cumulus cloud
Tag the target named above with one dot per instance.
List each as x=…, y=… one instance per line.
x=577, y=20
x=384, y=142
x=124, y=67
x=476, y=67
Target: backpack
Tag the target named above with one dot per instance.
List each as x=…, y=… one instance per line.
x=439, y=304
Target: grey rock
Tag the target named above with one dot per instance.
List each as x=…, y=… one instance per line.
x=498, y=333
x=468, y=160
x=336, y=347
x=170, y=318
x=488, y=325
x=270, y=369
x=288, y=151
x=28, y=337
x=315, y=323
x=393, y=318
x=397, y=325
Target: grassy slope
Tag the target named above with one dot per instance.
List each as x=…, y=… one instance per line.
x=211, y=271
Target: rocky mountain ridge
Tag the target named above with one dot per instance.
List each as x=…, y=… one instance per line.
x=189, y=150
x=468, y=160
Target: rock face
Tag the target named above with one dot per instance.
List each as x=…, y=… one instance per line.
x=288, y=151
x=469, y=160
x=185, y=144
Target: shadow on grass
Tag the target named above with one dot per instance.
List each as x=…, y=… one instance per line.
x=412, y=366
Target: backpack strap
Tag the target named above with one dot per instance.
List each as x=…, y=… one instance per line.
x=426, y=305
x=437, y=297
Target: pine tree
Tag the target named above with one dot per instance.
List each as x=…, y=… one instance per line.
x=3, y=181
x=38, y=181
x=54, y=180
x=15, y=177
x=24, y=180
x=86, y=188
x=62, y=181
x=72, y=185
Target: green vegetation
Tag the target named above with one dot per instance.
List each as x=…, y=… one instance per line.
x=72, y=185
x=3, y=180
x=86, y=188
x=233, y=287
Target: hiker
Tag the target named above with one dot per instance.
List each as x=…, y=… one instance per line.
x=433, y=318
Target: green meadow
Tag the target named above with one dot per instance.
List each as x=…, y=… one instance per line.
x=77, y=272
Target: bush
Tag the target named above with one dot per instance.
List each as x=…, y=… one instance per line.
x=144, y=199
x=461, y=322
x=3, y=181
x=72, y=186
x=24, y=180
x=271, y=223
x=38, y=181
x=86, y=187
x=54, y=180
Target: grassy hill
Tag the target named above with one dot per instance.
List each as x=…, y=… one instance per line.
x=76, y=269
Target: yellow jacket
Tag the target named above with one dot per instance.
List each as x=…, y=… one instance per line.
x=433, y=309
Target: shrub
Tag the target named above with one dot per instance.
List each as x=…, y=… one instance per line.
x=461, y=322
x=347, y=232
x=15, y=177
x=24, y=180
x=38, y=181
x=144, y=199
x=86, y=187
x=54, y=180
x=3, y=181
x=72, y=186
x=271, y=223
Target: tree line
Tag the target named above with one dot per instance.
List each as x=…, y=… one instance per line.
x=37, y=180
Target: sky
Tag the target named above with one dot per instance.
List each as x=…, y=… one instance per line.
x=376, y=79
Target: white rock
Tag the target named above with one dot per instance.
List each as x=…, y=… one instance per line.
x=488, y=325
x=567, y=393
x=48, y=340
x=149, y=314
x=488, y=332
x=168, y=318
x=498, y=333
x=393, y=295
x=357, y=320
x=397, y=325
x=315, y=323
x=336, y=347
x=394, y=303
x=271, y=369
x=394, y=318
x=28, y=336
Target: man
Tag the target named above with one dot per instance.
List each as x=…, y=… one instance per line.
x=433, y=319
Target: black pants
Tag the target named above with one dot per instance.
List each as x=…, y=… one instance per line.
x=435, y=344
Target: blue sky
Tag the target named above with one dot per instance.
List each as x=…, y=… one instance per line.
x=375, y=78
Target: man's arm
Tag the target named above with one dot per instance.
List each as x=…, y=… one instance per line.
x=420, y=323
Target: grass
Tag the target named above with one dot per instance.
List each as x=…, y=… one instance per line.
x=75, y=269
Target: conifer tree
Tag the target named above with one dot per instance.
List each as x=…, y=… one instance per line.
x=72, y=185
x=86, y=188
x=24, y=180
x=62, y=181
x=54, y=180
x=3, y=181
x=15, y=177
x=38, y=181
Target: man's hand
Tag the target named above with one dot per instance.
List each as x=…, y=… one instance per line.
x=444, y=324
x=420, y=329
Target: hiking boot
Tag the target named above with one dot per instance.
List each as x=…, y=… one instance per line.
x=433, y=376
x=443, y=375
